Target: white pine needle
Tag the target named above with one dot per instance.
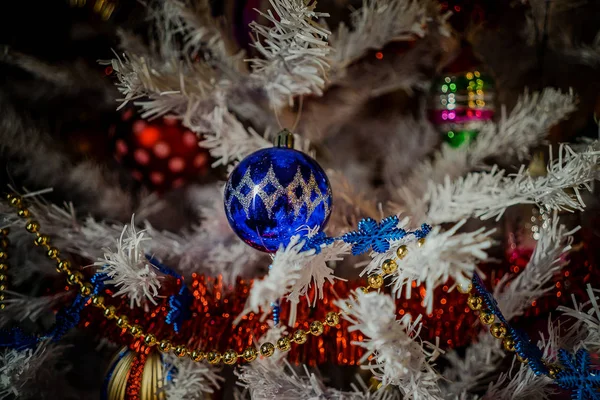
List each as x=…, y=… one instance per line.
x=292, y=273
x=443, y=255
x=394, y=352
x=548, y=258
x=293, y=49
x=487, y=195
x=189, y=378
x=128, y=268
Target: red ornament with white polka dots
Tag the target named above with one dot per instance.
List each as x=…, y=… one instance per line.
x=161, y=153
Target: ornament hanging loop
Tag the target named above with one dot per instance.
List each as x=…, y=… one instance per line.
x=285, y=139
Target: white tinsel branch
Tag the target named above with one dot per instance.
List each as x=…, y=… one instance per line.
x=294, y=50
x=394, y=352
x=19, y=307
x=128, y=268
x=586, y=317
x=512, y=136
x=443, y=255
x=20, y=370
x=227, y=139
x=292, y=273
x=374, y=25
x=189, y=378
x=487, y=195
x=548, y=258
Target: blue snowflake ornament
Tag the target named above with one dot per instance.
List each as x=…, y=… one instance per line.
x=316, y=241
x=371, y=235
x=577, y=376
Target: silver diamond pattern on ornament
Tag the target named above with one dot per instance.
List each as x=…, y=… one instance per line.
x=258, y=189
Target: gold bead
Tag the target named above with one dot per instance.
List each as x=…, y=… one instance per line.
x=487, y=318
x=5, y=231
x=197, y=355
x=52, y=253
x=2, y=286
x=300, y=336
x=74, y=278
x=522, y=360
x=389, y=267
x=135, y=331
x=332, y=318
x=86, y=289
x=2, y=306
x=401, y=252
x=284, y=344
x=23, y=213
x=149, y=339
x=3, y=267
x=375, y=281
x=63, y=266
x=508, y=343
x=421, y=242
x=229, y=357
x=42, y=240
x=462, y=290
x=267, y=349
x=15, y=201
x=4, y=243
x=180, y=351
x=213, y=357
x=1, y=296
x=498, y=330
x=98, y=300
x=553, y=370
x=109, y=312
x=3, y=256
x=3, y=278
x=164, y=346
x=32, y=226
x=250, y=354
x=316, y=328
x=122, y=321
x=475, y=302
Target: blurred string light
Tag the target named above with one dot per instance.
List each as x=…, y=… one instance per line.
x=103, y=8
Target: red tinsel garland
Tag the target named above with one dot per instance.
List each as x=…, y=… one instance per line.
x=215, y=307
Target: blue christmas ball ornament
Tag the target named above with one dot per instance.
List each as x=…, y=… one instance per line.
x=276, y=193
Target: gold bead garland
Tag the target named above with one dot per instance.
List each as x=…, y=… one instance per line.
x=249, y=354
x=3, y=264
x=498, y=329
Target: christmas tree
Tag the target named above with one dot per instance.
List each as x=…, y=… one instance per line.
x=385, y=199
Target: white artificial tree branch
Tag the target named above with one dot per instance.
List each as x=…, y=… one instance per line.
x=294, y=51
x=189, y=378
x=486, y=195
x=129, y=270
x=512, y=136
x=374, y=25
x=443, y=255
x=395, y=354
x=293, y=271
x=586, y=321
x=548, y=258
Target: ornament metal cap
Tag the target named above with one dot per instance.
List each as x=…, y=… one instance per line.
x=285, y=138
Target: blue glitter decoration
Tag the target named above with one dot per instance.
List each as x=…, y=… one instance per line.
x=66, y=319
x=370, y=234
x=316, y=241
x=577, y=376
x=274, y=194
x=180, y=303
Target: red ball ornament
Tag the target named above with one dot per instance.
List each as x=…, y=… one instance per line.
x=162, y=153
